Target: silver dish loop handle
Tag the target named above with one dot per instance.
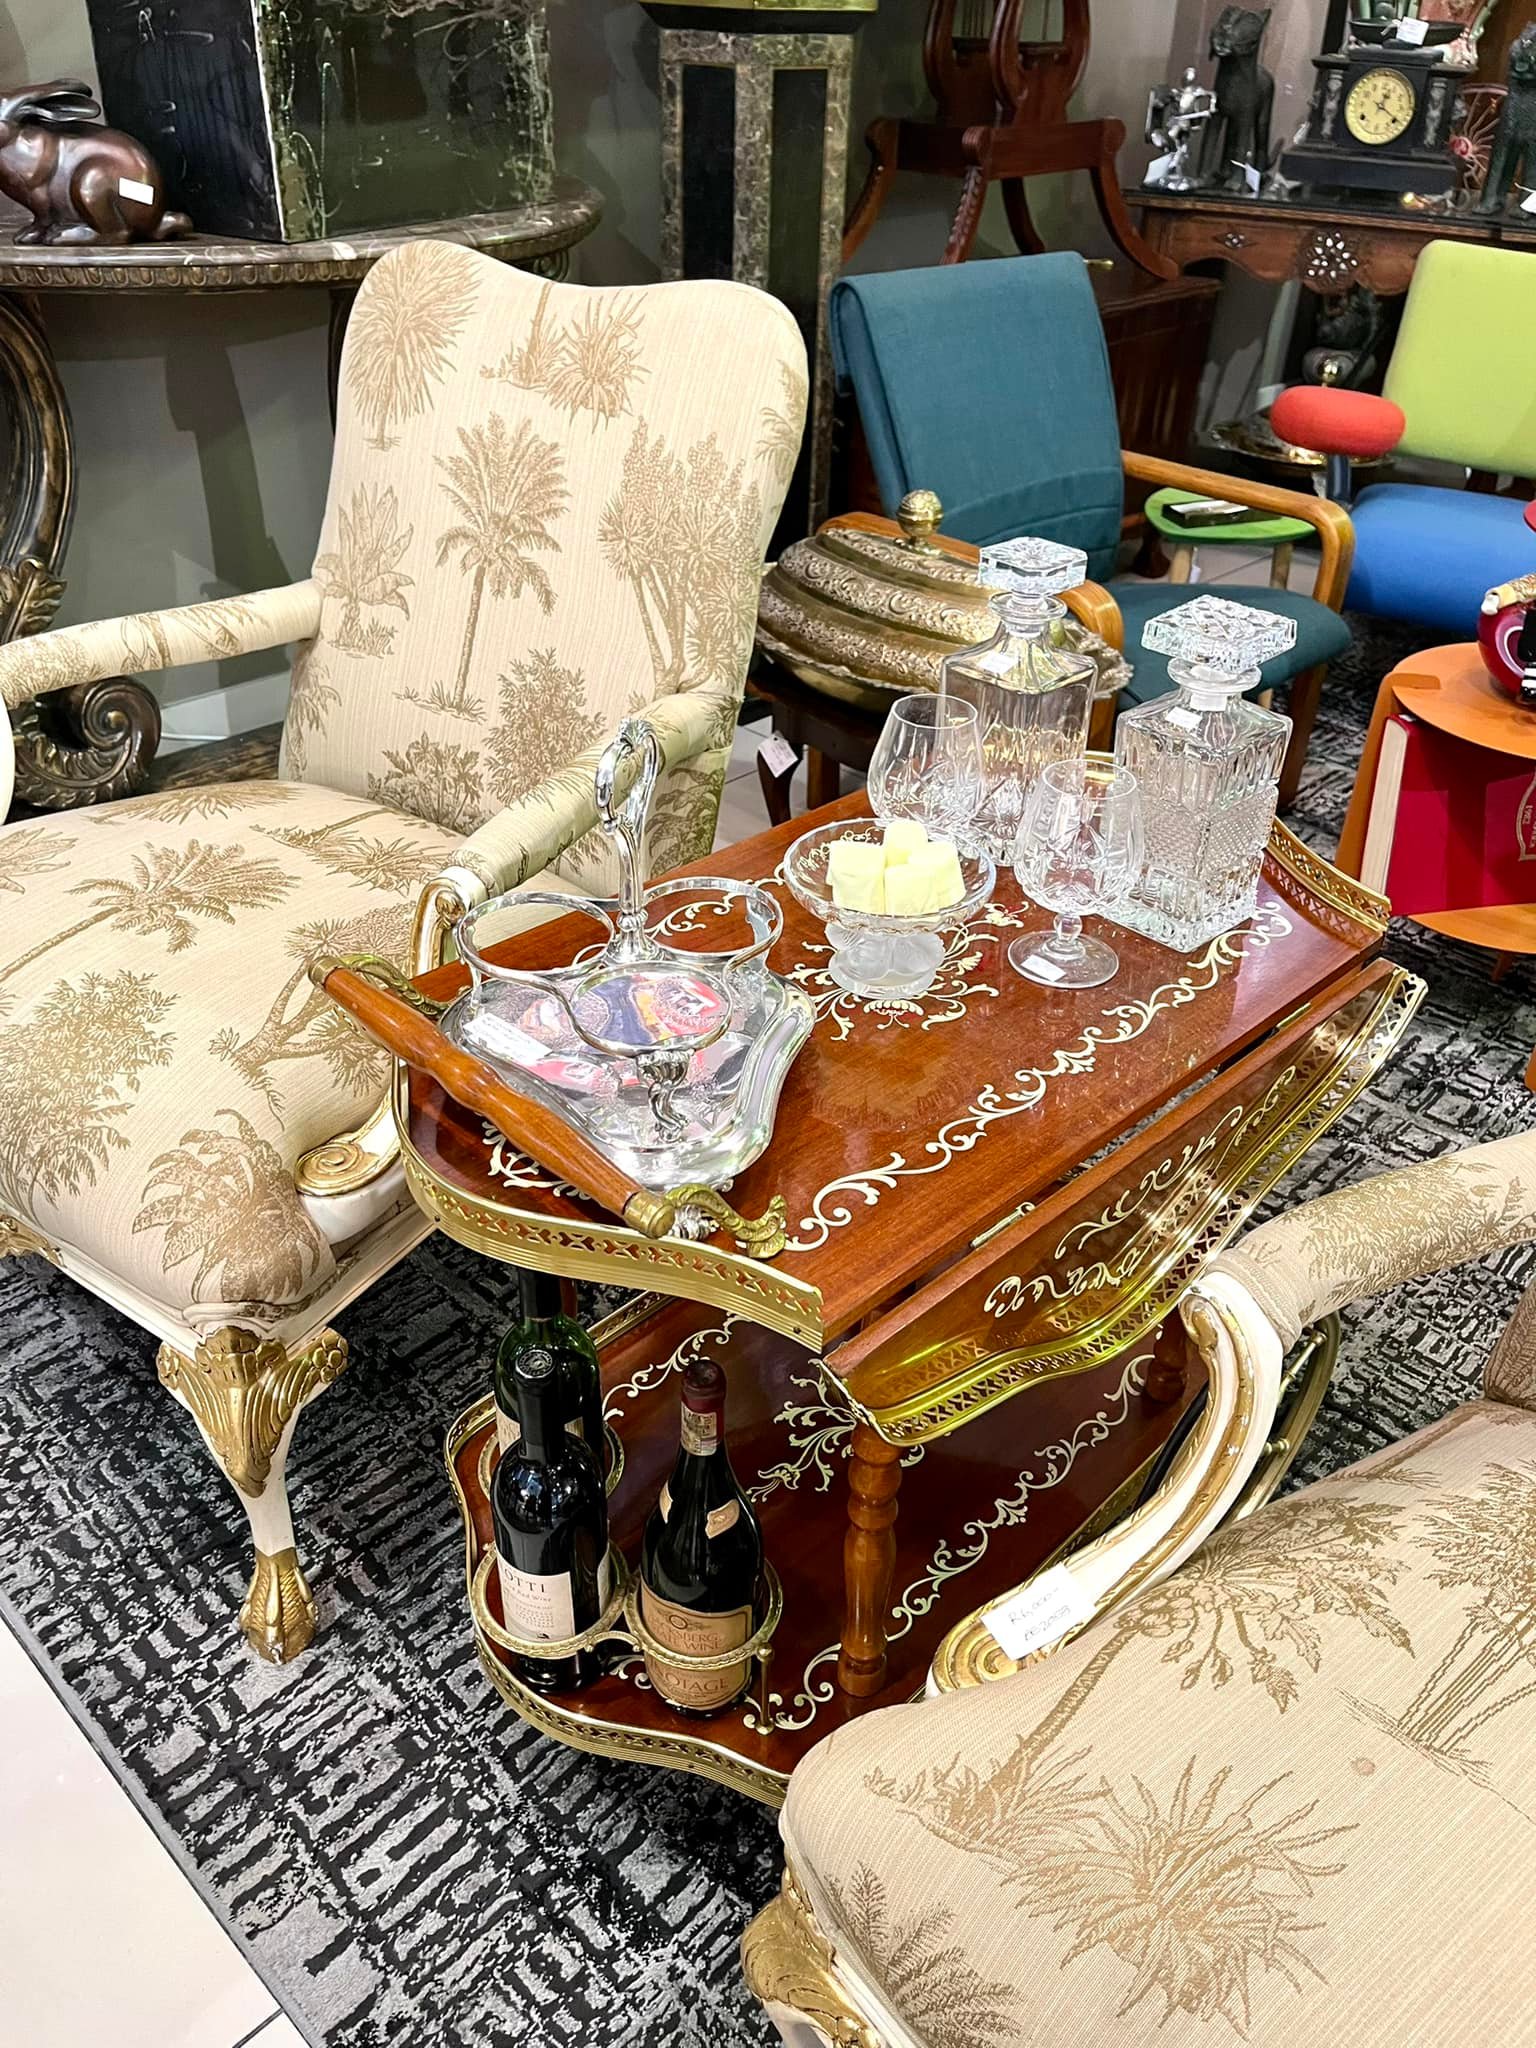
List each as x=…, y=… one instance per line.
x=625, y=824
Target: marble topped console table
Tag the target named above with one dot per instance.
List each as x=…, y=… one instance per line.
x=96, y=742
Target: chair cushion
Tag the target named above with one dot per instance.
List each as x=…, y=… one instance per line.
x=1288, y=1796
x=1336, y=422
x=1320, y=633
x=164, y=1060
x=1427, y=555
x=988, y=383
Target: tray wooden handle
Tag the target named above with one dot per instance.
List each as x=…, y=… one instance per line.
x=391, y=1021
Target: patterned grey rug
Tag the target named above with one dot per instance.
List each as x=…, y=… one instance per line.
x=405, y=1863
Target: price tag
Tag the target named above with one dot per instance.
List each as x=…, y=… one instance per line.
x=1179, y=716
x=777, y=754
x=1043, y=969
x=1158, y=169
x=1041, y=1614
x=1528, y=203
x=134, y=188
x=1250, y=177
x=1415, y=32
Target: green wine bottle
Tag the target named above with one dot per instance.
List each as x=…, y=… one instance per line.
x=544, y=1326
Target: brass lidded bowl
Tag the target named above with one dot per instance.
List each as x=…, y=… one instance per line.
x=867, y=616
x=870, y=616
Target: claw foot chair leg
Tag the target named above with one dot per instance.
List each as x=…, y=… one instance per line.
x=245, y=1392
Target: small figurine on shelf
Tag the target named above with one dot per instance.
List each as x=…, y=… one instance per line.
x=1236, y=149
x=1514, y=146
x=1176, y=114
x=80, y=181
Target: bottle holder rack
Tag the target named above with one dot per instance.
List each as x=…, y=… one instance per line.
x=630, y=1631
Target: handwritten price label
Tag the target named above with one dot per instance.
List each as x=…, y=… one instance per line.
x=1041, y=1614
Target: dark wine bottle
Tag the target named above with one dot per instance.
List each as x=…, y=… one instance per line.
x=702, y=1557
x=551, y=1515
x=544, y=1326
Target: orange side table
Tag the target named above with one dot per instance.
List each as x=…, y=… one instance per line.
x=1449, y=688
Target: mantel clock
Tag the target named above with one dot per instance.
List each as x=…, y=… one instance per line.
x=1380, y=121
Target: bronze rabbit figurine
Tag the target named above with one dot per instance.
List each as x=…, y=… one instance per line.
x=80, y=181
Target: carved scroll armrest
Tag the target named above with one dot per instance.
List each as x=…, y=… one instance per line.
x=522, y=840
x=76, y=659
x=1243, y=1358
x=1332, y=524
x=1248, y=1307
x=145, y=641
x=1364, y=1239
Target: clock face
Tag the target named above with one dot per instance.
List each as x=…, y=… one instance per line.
x=1380, y=107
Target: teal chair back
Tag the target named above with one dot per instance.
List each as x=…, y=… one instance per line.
x=989, y=383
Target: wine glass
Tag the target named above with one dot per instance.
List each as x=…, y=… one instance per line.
x=927, y=764
x=1080, y=849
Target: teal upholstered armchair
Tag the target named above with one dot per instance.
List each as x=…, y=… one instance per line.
x=989, y=383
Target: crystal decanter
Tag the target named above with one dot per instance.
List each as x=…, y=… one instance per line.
x=1208, y=764
x=1033, y=696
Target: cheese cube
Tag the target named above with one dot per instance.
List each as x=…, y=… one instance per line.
x=939, y=865
x=909, y=892
x=856, y=874
x=903, y=838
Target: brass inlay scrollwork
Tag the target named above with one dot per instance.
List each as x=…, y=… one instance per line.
x=17, y=1239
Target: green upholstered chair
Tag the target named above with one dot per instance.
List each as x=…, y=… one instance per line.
x=989, y=383
x=1459, y=389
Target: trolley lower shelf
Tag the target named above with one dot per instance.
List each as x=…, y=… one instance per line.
x=979, y=1510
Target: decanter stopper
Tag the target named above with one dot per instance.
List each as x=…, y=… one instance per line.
x=1216, y=648
x=1029, y=575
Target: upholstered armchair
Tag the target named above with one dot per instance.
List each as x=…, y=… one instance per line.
x=548, y=508
x=1276, y=1785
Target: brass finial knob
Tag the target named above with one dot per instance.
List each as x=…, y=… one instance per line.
x=918, y=516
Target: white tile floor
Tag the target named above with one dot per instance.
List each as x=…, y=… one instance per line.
x=102, y=1939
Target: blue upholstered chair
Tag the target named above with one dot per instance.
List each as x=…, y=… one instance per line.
x=989, y=383
x=1461, y=388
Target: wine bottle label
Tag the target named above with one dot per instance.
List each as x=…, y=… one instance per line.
x=696, y=1635
x=539, y=1605
x=701, y=1433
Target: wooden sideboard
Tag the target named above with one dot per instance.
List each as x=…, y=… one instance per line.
x=1328, y=249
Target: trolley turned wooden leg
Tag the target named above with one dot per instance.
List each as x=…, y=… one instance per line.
x=869, y=1559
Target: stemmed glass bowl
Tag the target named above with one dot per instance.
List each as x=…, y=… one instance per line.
x=875, y=954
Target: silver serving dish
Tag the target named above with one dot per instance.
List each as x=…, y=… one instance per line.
x=666, y=1054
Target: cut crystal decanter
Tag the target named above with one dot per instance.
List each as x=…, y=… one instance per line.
x=1033, y=696
x=1208, y=764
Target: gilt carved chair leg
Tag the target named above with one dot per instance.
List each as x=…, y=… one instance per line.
x=245, y=1392
x=869, y=1559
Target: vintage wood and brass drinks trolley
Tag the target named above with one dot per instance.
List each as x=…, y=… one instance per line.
x=955, y=1355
